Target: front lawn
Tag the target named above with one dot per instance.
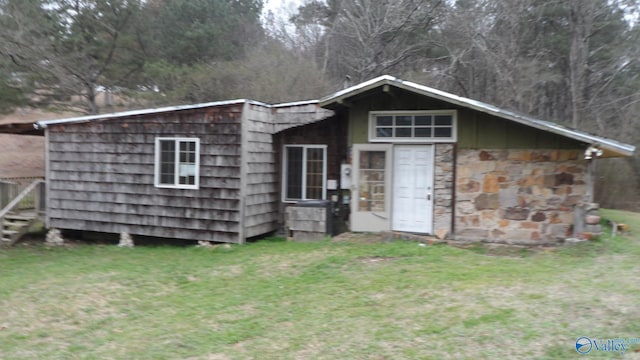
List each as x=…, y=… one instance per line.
x=328, y=300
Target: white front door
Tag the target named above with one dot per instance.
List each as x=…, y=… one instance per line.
x=413, y=188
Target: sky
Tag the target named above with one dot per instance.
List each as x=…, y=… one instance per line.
x=279, y=6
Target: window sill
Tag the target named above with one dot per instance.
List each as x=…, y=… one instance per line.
x=181, y=187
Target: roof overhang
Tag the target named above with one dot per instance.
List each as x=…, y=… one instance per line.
x=20, y=128
x=612, y=148
x=42, y=124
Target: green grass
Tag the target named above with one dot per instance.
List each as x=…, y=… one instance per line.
x=327, y=300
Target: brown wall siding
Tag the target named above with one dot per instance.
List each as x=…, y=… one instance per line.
x=101, y=176
x=326, y=132
x=330, y=132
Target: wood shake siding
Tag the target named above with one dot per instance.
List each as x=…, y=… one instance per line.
x=100, y=171
x=101, y=176
x=261, y=183
x=262, y=156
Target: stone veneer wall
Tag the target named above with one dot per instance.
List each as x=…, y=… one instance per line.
x=443, y=190
x=517, y=196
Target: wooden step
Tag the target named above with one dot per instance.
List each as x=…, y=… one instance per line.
x=9, y=232
x=16, y=222
x=11, y=236
x=23, y=221
x=19, y=217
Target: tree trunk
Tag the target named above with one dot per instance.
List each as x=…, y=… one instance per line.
x=581, y=26
x=91, y=100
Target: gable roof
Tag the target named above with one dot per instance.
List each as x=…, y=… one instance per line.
x=610, y=146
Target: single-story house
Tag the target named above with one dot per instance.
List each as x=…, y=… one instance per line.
x=390, y=155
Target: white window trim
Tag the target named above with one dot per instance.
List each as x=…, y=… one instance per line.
x=176, y=184
x=304, y=171
x=454, y=130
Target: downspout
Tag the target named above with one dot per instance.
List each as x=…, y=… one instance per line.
x=47, y=179
x=453, y=189
x=591, y=170
x=591, y=154
x=244, y=170
x=582, y=209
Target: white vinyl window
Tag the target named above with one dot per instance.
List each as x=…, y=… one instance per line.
x=411, y=126
x=177, y=163
x=304, y=172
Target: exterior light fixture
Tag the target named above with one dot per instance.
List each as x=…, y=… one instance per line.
x=593, y=151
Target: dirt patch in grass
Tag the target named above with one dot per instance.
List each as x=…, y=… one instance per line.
x=375, y=259
x=361, y=238
x=383, y=237
x=227, y=271
x=503, y=250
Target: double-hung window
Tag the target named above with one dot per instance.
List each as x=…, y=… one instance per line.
x=177, y=163
x=304, y=172
x=411, y=126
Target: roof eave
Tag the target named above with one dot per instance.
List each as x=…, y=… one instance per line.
x=607, y=144
x=613, y=148
x=341, y=95
x=294, y=104
x=42, y=124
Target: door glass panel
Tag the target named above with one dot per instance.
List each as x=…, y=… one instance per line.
x=372, y=181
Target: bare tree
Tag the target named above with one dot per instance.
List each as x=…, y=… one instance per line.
x=68, y=48
x=365, y=38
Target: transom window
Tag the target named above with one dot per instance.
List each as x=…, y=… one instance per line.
x=177, y=163
x=304, y=172
x=413, y=125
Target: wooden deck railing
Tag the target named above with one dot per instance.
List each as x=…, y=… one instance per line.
x=11, y=187
x=30, y=198
x=8, y=192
